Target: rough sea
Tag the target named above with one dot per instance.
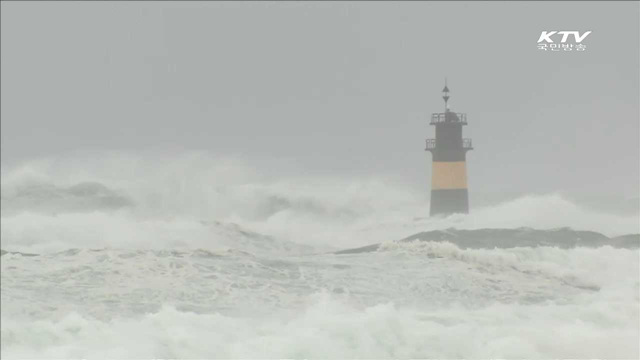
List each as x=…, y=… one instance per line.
x=124, y=256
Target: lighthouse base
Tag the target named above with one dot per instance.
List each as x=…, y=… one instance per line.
x=449, y=201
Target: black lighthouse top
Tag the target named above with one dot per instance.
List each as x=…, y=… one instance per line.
x=448, y=138
x=448, y=116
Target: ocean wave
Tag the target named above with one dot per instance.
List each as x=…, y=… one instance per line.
x=211, y=258
x=39, y=233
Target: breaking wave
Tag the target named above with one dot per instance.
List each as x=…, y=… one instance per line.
x=134, y=200
x=50, y=199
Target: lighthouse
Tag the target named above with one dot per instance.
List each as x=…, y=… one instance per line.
x=449, y=193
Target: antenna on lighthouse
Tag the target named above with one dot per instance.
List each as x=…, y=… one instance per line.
x=445, y=95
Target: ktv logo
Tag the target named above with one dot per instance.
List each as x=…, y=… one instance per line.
x=546, y=40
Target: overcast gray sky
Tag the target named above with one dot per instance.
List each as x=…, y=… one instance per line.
x=344, y=88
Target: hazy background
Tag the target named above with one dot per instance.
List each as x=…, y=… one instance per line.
x=332, y=88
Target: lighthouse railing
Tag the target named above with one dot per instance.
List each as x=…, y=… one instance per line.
x=437, y=118
x=466, y=144
x=431, y=144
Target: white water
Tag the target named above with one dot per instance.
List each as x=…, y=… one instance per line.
x=195, y=257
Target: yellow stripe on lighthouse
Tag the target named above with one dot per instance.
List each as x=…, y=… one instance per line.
x=449, y=175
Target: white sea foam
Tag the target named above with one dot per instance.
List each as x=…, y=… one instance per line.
x=329, y=328
x=211, y=258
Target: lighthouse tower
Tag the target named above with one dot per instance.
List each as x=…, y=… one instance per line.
x=449, y=193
